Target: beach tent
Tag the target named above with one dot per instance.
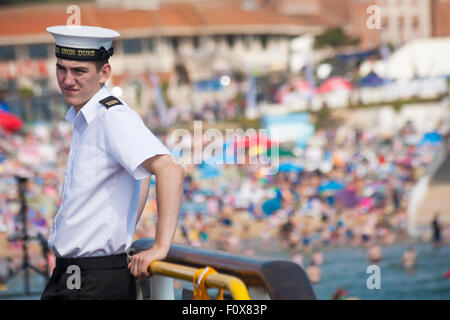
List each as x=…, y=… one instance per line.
x=372, y=80
x=419, y=58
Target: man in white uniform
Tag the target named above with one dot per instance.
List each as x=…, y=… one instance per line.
x=111, y=151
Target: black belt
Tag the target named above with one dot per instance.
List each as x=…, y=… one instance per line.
x=93, y=263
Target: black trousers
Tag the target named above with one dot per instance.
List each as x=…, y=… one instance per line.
x=93, y=278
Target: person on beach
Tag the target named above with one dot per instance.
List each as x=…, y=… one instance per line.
x=374, y=254
x=409, y=258
x=314, y=272
x=317, y=257
x=111, y=151
x=436, y=227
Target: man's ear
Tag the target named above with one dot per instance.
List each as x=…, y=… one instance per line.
x=105, y=72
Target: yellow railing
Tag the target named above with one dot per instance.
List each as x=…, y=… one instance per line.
x=233, y=284
x=265, y=278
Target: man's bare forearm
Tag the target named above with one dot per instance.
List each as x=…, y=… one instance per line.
x=169, y=192
x=143, y=195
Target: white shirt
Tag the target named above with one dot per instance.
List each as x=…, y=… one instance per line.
x=101, y=186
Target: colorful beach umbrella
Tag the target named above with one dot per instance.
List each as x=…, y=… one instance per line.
x=254, y=140
x=208, y=171
x=333, y=84
x=282, y=152
x=294, y=88
x=289, y=167
x=10, y=122
x=331, y=186
x=271, y=205
x=431, y=139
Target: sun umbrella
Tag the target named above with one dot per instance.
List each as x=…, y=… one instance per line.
x=271, y=205
x=331, y=186
x=335, y=83
x=282, y=152
x=254, y=140
x=302, y=86
x=289, y=167
x=208, y=171
x=296, y=88
x=10, y=122
x=431, y=139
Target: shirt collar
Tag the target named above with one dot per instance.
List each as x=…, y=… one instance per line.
x=70, y=115
x=91, y=108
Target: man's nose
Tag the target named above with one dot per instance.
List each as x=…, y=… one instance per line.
x=69, y=79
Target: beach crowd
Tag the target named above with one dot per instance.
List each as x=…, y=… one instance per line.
x=348, y=187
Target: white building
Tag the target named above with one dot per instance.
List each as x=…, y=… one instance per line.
x=192, y=39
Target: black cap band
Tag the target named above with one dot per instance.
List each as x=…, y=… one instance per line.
x=83, y=54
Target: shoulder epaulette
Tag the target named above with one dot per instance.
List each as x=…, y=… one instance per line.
x=110, y=101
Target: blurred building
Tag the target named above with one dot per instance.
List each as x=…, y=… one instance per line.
x=440, y=10
x=181, y=41
x=190, y=41
x=400, y=21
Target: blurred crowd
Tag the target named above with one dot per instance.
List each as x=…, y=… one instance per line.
x=355, y=192
x=349, y=186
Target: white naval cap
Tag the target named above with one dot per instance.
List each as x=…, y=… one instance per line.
x=85, y=43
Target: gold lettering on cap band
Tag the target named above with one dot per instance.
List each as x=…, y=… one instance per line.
x=70, y=52
x=80, y=54
x=86, y=53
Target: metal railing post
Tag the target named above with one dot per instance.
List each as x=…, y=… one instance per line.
x=258, y=293
x=161, y=288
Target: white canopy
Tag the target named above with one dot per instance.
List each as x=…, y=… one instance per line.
x=421, y=58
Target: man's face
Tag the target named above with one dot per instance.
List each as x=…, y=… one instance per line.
x=79, y=80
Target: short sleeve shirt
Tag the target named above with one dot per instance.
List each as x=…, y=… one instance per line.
x=101, y=185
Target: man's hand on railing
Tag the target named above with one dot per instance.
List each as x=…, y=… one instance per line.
x=140, y=262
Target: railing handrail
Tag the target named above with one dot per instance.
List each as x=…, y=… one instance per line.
x=281, y=279
x=233, y=284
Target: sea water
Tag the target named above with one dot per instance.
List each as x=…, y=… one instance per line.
x=347, y=268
